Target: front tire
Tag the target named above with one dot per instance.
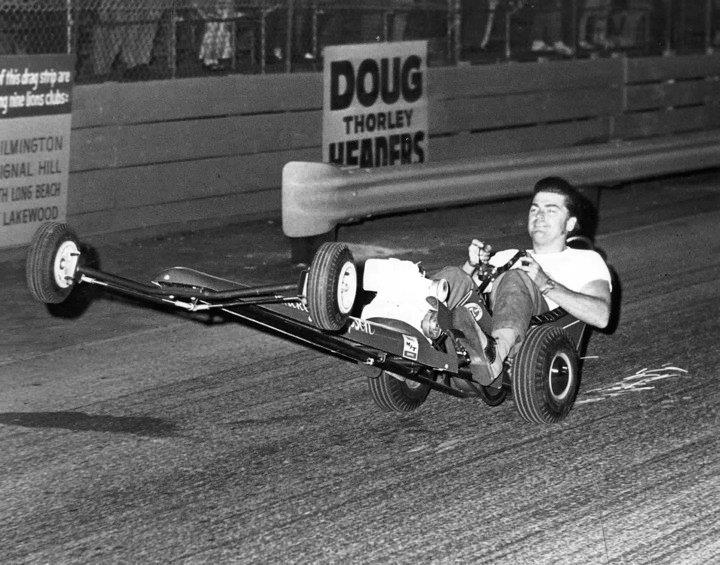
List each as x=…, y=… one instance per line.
x=331, y=286
x=393, y=394
x=545, y=375
x=51, y=264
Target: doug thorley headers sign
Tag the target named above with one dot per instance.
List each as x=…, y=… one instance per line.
x=375, y=104
x=35, y=119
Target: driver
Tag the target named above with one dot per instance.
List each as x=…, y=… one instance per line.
x=551, y=274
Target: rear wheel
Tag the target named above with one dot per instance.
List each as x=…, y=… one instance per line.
x=545, y=375
x=331, y=286
x=396, y=394
x=492, y=396
x=51, y=263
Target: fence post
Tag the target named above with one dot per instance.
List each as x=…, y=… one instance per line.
x=289, y=35
x=455, y=14
x=171, y=41
x=70, y=25
x=263, y=36
x=708, y=26
x=668, y=28
x=509, y=13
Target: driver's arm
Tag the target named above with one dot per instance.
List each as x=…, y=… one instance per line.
x=591, y=305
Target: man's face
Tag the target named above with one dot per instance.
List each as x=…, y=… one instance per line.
x=549, y=220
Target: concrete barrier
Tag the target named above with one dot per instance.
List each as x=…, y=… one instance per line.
x=317, y=197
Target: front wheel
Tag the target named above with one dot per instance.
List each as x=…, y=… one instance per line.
x=545, y=375
x=331, y=286
x=52, y=262
x=395, y=394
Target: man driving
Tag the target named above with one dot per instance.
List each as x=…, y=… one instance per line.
x=550, y=275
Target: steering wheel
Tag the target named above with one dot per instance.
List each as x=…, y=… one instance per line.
x=487, y=273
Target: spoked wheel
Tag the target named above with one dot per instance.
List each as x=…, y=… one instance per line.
x=331, y=286
x=396, y=394
x=51, y=263
x=545, y=375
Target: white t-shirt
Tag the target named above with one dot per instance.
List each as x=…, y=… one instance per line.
x=572, y=268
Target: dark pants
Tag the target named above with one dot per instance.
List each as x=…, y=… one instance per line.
x=514, y=299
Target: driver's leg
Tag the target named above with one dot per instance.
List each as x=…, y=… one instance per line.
x=464, y=293
x=460, y=283
x=515, y=298
x=470, y=316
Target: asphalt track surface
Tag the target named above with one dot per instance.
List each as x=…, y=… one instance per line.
x=137, y=435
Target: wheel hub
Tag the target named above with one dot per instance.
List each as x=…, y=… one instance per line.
x=347, y=287
x=65, y=264
x=560, y=376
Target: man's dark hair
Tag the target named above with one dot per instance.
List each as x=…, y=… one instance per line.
x=561, y=186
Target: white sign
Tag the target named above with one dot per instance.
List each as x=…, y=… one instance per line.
x=375, y=110
x=35, y=121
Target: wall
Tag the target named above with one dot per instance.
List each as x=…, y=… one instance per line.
x=190, y=151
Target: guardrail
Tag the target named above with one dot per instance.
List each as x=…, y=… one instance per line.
x=318, y=197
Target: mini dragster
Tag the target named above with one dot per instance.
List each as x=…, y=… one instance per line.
x=395, y=323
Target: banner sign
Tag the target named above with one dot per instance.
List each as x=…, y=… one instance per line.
x=35, y=121
x=375, y=104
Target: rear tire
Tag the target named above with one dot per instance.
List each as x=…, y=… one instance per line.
x=51, y=263
x=545, y=375
x=492, y=396
x=489, y=395
x=394, y=395
x=331, y=286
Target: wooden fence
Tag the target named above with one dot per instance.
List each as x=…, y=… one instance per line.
x=186, y=152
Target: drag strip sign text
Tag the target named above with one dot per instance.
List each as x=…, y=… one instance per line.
x=375, y=104
x=35, y=121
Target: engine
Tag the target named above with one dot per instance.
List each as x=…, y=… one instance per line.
x=402, y=294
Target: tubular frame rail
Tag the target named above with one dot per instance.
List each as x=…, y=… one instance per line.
x=254, y=305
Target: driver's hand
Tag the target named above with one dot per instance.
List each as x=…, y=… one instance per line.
x=478, y=252
x=534, y=270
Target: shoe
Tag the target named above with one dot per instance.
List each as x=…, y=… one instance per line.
x=479, y=347
x=585, y=45
x=539, y=46
x=561, y=49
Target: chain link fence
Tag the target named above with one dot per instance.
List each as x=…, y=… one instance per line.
x=34, y=26
x=162, y=39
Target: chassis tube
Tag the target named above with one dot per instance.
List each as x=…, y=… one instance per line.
x=335, y=345
x=251, y=311
x=143, y=289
